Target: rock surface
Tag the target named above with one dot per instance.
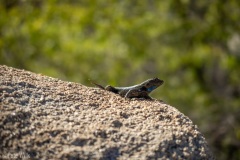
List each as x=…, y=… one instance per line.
x=44, y=117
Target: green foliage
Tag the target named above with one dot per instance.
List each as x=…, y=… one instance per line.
x=191, y=45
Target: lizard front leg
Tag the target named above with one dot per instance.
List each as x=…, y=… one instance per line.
x=147, y=97
x=131, y=93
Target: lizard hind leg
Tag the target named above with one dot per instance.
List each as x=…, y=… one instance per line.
x=111, y=89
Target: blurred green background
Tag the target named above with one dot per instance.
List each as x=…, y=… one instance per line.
x=194, y=46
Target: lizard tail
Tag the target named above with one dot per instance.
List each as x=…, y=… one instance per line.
x=98, y=85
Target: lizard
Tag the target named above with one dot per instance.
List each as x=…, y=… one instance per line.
x=141, y=90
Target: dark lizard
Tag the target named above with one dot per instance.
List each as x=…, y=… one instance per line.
x=137, y=91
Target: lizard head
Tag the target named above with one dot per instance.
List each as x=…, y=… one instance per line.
x=152, y=84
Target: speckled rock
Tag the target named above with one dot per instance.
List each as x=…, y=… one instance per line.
x=46, y=118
